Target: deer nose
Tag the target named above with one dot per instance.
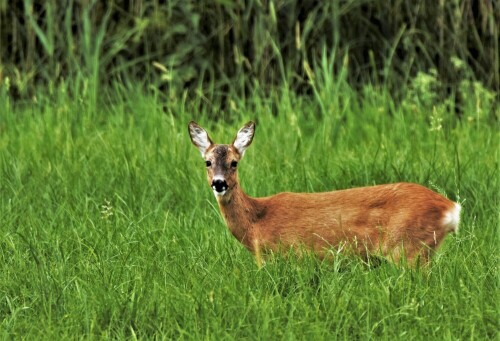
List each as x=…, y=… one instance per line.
x=219, y=185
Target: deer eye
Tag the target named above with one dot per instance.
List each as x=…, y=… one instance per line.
x=234, y=164
x=208, y=163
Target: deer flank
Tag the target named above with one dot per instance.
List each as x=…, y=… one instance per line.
x=397, y=221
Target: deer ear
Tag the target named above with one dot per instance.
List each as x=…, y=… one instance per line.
x=244, y=137
x=199, y=137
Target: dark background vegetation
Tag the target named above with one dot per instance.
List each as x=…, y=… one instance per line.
x=220, y=48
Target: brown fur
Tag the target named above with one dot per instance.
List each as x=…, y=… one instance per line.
x=394, y=220
x=384, y=220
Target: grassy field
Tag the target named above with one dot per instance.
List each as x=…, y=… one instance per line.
x=108, y=228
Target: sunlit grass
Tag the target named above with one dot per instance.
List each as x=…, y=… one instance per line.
x=109, y=229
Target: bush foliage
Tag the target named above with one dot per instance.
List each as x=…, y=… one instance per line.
x=222, y=47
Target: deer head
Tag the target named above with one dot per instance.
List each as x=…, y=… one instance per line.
x=221, y=160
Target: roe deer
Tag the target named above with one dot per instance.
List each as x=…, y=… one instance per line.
x=398, y=221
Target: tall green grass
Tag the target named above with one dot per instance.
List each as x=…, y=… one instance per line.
x=108, y=228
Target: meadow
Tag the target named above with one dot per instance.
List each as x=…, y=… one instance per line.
x=108, y=228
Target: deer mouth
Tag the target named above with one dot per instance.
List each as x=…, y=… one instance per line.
x=219, y=194
x=220, y=191
x=219, y=186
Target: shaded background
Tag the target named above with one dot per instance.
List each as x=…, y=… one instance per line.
x=218, y=49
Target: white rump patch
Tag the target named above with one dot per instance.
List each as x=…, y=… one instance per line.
x=451, y=218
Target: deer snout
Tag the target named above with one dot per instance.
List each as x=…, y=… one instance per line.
x=219, y=185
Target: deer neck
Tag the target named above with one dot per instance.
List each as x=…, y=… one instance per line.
x=240, y=212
